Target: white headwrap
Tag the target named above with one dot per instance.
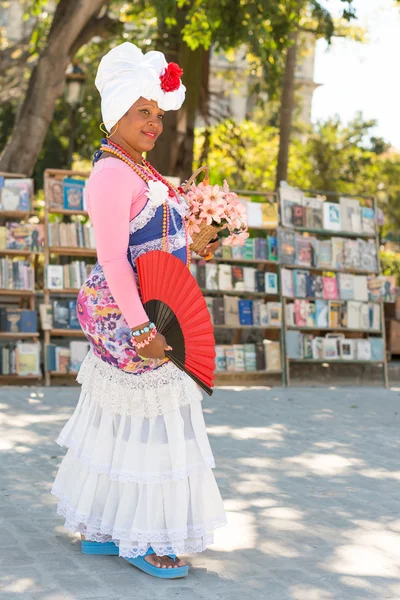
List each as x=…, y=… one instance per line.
x=125, y=74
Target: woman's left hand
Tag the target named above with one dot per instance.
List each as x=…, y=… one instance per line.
x=209, y=249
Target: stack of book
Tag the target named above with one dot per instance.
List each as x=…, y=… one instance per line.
x=22, y=236
x=299, y=283
x=71, y=235
x=347, y=215
x=16, y=274
x=71, y=276
x=20, y=359
x=16, y=194
x=67, y=194
x=233, y=311
x=262, y=356
x=261, y=214
x=336, y=253
x=66, y=359
x=64, y=315
x=334, y=314
x=18, y=320
x=333, y=347
x=212, y=276
x=257, y=248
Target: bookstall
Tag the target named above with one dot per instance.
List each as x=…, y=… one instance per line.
x=69, y=254
x=21, y=242
x=332, y=290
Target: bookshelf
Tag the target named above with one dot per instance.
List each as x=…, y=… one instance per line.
x=15, y=299
x=311, y=338
x=55, y=214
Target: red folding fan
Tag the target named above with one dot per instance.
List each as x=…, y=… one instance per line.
x=174, y=302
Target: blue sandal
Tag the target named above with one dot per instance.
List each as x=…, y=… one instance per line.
x=99, y=548
x=146, y=567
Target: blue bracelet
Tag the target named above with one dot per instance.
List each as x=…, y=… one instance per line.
x=146, y=329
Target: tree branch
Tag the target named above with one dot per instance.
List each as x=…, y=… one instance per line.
x=102, y=26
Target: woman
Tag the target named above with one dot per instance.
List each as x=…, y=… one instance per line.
x=136, y=480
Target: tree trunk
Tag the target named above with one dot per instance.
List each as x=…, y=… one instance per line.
x=286, y=111
x=46, y=84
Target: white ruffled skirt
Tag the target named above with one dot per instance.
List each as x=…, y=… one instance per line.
x=138, y=466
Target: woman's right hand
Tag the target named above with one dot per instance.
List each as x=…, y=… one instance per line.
x=155, y=349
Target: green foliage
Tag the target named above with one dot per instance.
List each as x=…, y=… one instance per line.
x=390, y=263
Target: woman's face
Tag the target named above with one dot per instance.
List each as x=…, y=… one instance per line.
x=141, y=125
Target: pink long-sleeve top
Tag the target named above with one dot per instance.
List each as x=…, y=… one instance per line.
x=115, y=194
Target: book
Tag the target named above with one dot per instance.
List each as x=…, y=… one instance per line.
x=61, y=314
x=226, y=252
x=334, y=314
x=218, y=311
x=300, y=312
x=273, y=363
x=293, y=343
x=311, y=282
x=3, y=237
x=230, y=358
x=338, y=252
x=286, y=247
x=311, y=315
x=324, y=253
x=321, y=313
x=250, y=360
x=364, y=316
x=300, y=283
x=238, y=355
x=269, y=214
x=382, y=287
x=73, y=321
x=274, y=313
x=73, y=193
x=248, y=249
x=9, y=199
x=271, y=283
x=346, y=286
x=319, y=286
x=343, y=314
x=298, y=215
x=289, y=312
x=10, y=320
x=53, y=192
x=225, y=277
x=347, y=349
x=377, y=348
x=24, y=236
x=50, y=357
x=27, y=358
x=261, y=281
x=272, y=248
x=318, y=348
x=330, y=288
x=350, y=214
x=261, y=248
x=201, y=274
x=245, y=312
x=263, y=310
x=368, y=220
x=24, y=188
x=308, y=346
x=220, y=358
x=287, y=283
x=55, y=277
x=374, y=316
x=331, y=348
x=78, y=352
x=257, y=304
x=249, y=276
x=288, y=198
x=360, y=288
x=304, y=251
x=260, y=356
x=331, y=216
x=63, y=358
x=363, y=350
x=313, y=210
x=237, y=252
x=210, y=305
x=351, y=255
x=29, y=321
x=237, y=278
x=353, y=314
x=368, y=255
x=254, y=213
x=211, y=276
x=231, y=310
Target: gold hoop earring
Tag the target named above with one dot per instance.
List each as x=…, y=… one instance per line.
x=104, y=130
x=112, y=132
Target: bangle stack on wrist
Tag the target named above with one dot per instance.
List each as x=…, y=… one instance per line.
x=147, y=329
x=146, y=341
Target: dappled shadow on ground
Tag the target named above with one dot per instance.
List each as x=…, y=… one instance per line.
x=310, y=480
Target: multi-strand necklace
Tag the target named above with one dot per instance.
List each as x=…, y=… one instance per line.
x=148, y=173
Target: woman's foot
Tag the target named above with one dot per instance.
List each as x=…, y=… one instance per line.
x=164, y=562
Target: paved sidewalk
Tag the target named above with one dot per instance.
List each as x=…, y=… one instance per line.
x=310, y=479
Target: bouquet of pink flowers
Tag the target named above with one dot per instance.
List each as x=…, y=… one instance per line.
x=212, y=208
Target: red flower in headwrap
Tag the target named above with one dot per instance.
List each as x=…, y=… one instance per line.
x=171, y=78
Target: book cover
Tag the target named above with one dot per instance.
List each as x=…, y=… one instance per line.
x=293, y=343
x=360, y=288
x=9, y=199
x=350, y=214
x=260, y=281
x=300, y=283
x=382, y=287
x=263, y=308
x=3, y=236
x=331, y=216
x=308, y=346
x=249, y=276
x=272, y=248
x=220, y=358
x=254, y=213
x=311, y=315
x=73, y=193
x=324, y=253
x=271, y=282
x=50, y=352
x=201, y=274
x=330, y=288
x=237, y=278
x=72, y=315
x=269, y=213
x=374, y=316
x=61, y=314
x=377, y=348
x=231, y=309
x=211, y=276
x=313, y=208
x=304, y=251
x=368, y=255
x=25, y=236
x=364, y=316
x=218, y=311
x=248, y=249
x=368, y=220
x=29, y=321
x=343, y=314
x=257, y=304
x=300, y=312
x=238, y=354
x=261, y=248
x=287, y=283
x=226, y=252
x=55, y=277
x=245, y=312
x=354, y=314
x=311, y=285
x=230, y=358
x=250, y=359
x=331, y=348
x=334, y=314
x=347, y=349
x=346, y=286
x=24, y=188
x=351, y=255
x=63, y=357
x=225, y=277
x=273, y=361
x=78, y=352
x=53, y=192
x=274, y=313
x=27, y=358
x=298, y=216
x=338, y=253
x=260, y=356
x=289, y=312
x=363, y=349
x=319, y=287
x=12, y=320
x=237, y=252
x=322, y=313
x=210, y=305
x=288, y=198
x=286, y=247
x=318, y=348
